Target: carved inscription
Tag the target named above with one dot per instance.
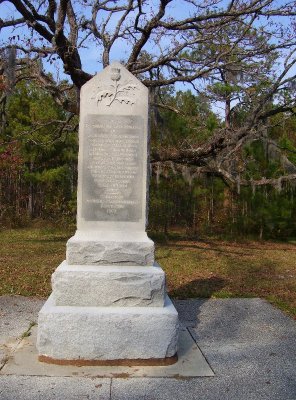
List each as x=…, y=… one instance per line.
x=112, y=168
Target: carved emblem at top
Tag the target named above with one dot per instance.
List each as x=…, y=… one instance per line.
x=121, y=92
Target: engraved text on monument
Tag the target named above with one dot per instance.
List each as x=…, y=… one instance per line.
x=112, y=168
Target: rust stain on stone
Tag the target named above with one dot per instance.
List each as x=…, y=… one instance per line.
x=124, y=362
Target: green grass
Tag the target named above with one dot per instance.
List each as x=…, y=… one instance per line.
x=28, y=257
x=213, y=268
x=28, y=332
x=220, y=269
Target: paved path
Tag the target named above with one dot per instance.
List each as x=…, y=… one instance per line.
x=250, y=345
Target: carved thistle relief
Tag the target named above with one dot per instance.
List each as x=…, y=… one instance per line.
x=121, y=92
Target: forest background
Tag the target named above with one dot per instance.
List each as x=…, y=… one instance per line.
x=229, y=172
x=38, y=171
x=222, y=83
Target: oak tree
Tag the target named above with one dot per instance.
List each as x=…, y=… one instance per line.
x=164, y=42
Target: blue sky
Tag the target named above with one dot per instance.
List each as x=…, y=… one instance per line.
x=90, y=55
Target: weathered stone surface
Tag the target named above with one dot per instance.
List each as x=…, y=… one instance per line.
x=108, y=299
x=102, y=248
x=120, y=286
x=107, y=333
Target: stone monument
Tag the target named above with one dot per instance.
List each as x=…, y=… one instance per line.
x=109, y=304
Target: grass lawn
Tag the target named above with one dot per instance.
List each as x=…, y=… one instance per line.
x=211, y=268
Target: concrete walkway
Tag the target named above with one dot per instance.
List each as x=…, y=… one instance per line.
x=250, y=346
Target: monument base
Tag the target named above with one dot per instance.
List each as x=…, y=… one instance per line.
x=94, y=334
x=108, y=286
x=109, y=248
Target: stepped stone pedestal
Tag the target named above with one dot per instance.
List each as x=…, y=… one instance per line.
x=109, y=304
x=110, y=247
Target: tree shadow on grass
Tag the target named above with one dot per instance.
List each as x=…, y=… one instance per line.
x=195, y=246
x=199, y=288
x=232, y=247
x=62, y=238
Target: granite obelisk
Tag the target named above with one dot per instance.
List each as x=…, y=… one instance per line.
x=109, y=303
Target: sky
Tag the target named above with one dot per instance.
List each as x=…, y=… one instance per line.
x=90, y=54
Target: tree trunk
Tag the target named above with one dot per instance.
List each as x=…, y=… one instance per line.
x=31, y=194
x=227, y=113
